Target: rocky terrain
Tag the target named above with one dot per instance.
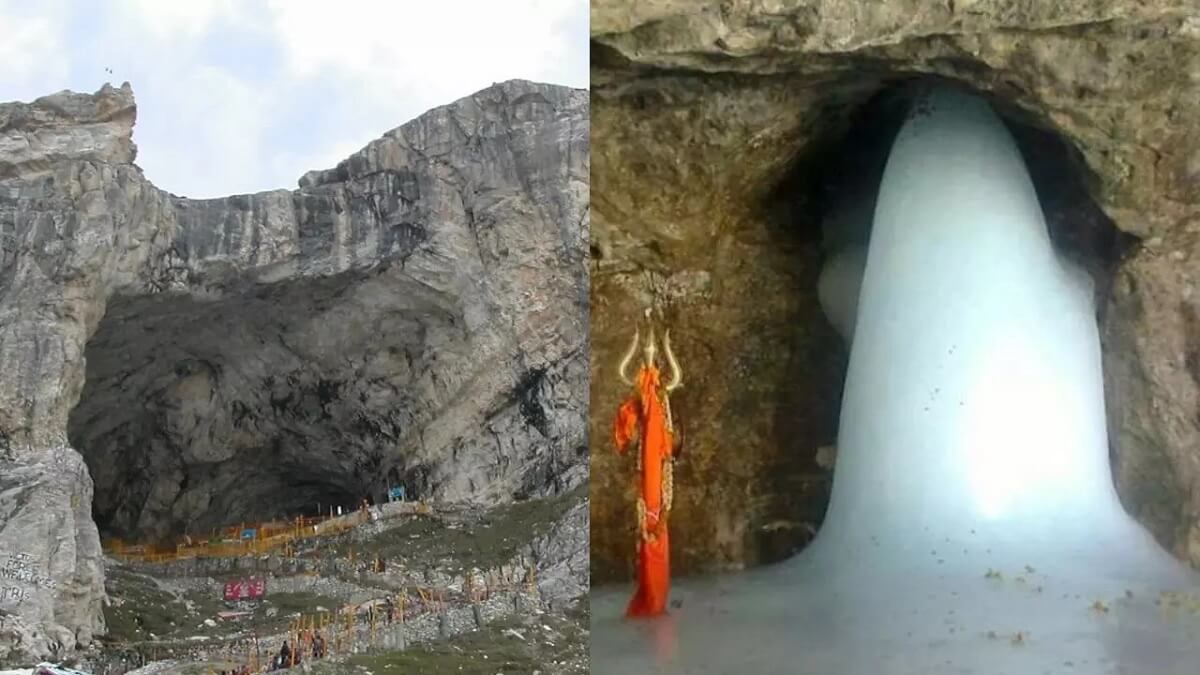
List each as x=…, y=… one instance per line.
x=171, y=618
x=722, y=127
x=415, y=316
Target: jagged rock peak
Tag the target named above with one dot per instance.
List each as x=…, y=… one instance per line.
x=67, y=126
x=509, y=103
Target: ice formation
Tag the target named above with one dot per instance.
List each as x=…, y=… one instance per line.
x=973, y=526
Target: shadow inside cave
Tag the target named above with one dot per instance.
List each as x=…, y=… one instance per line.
x=270, y=401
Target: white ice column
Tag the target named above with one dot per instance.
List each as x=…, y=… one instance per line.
x=974, y=394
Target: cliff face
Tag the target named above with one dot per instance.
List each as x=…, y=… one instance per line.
x=715, y=120
x=414, y=316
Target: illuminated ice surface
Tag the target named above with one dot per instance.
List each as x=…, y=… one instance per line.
x=973, y=526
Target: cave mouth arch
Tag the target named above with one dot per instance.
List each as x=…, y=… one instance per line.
x=846, y=161
x=902, y=580
x=827, y=194
x=261, y=402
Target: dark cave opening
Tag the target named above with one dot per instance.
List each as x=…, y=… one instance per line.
x=826, y=199
x=269, y=402
x=846, y=162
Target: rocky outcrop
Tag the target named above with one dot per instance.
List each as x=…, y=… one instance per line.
x=414, y=316
x=561, y=558
x=715, y=124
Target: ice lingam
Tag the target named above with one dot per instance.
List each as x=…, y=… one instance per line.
x=973, y=525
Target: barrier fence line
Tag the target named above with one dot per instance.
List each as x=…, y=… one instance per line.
x=341, y=633
x=229, y=542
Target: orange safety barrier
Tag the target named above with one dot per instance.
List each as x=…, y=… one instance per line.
x=228, y=542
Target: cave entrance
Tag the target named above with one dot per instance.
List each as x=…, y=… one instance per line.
x=975, y=351
x=827, y=200
x=258, y=405
x=839, y=175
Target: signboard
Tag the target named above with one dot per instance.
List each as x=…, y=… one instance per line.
x=248, y=533
x=245, y=589
x=396, y=494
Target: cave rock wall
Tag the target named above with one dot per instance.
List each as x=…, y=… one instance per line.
x=709, y=118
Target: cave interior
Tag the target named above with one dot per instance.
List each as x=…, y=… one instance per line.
x=826, y=198
x=897, y=595
x=264, y=401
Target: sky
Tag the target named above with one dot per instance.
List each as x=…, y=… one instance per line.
x=238, y=96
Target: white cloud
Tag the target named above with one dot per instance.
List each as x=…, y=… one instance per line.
x=31, y=47
x=403, y=58
x=207, y=145
x=430, y=45
x=172, y=20
x=241, y=96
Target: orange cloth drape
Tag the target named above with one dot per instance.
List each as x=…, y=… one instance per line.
x=644, y=412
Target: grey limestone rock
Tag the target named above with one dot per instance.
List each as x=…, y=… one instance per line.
x=416, y=315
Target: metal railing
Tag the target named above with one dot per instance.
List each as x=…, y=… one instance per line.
x=229, y=543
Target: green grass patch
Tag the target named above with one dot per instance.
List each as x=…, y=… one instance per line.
x=488, y=651
x=142, y=608
x=486, y=541
x=146, y=609
x=305, y=603
x=285, y=605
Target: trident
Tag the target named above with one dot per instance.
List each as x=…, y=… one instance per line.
x=649, y=354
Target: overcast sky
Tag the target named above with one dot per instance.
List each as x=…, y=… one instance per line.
x=239, y=96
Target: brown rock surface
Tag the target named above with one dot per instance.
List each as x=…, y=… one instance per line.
x=713, y=120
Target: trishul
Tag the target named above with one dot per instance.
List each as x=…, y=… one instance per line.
x=649, y=352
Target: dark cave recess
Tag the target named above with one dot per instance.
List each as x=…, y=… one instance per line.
x=846, y=163
x=273, y=402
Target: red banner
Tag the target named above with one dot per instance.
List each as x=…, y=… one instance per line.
x=245, y=589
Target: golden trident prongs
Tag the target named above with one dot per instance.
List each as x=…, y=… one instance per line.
x=649, y=356
x=649, y=353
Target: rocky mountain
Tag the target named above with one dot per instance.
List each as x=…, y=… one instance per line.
x=415, y=316
x=719, y=126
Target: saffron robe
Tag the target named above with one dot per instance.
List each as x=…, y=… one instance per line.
x=644, y=412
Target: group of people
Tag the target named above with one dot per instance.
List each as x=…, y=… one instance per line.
x=289, y=657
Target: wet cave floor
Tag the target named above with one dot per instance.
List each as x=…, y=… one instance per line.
x=970, y=614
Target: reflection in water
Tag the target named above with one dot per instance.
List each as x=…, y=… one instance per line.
x=664, y=640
